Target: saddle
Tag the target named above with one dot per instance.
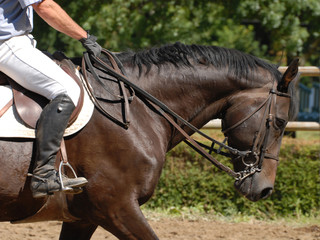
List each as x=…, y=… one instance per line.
x=29, y=105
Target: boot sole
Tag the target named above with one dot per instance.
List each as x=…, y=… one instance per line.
x=74, y=189
x=77, y=185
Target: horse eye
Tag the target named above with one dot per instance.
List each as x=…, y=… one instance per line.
x=280, y=123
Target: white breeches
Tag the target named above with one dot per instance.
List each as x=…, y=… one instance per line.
x=29, y=67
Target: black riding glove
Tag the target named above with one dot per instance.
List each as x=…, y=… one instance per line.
x=90, y=43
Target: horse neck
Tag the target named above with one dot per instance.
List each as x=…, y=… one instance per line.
x=189, y=91
x=197, y=94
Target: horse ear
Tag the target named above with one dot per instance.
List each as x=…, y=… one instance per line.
x=289, y=75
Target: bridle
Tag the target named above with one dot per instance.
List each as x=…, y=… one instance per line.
x=258, y=150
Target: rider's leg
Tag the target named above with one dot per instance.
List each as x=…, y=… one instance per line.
x=36, y=72
x=33, y=70
x=50, y=128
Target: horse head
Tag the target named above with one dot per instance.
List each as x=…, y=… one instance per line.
x=254, y=123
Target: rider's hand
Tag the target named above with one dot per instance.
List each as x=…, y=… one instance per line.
x=90, y=43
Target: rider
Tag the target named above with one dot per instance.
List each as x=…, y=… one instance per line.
x=33, y=70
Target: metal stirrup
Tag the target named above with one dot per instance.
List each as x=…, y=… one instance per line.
x=62, y=165
x=64, y=162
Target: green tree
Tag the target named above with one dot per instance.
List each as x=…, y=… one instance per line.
x=289, y=25
x=261, y=27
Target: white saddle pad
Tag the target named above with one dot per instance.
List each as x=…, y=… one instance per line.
x=12, y=126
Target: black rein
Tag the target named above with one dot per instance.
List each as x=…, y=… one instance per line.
x=170, y=116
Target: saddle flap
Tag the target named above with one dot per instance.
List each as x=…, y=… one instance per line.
x=29, y=105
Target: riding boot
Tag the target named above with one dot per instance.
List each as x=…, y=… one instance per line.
x=50, y=129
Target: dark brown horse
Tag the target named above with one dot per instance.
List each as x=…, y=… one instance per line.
x=123, y=166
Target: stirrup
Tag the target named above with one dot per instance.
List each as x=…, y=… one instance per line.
x=62, y=165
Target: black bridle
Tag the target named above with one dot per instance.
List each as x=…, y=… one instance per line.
x=258, y=150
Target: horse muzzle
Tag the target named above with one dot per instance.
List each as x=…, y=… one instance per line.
x=255, y=187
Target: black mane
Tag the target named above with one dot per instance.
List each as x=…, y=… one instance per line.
x=240, y=64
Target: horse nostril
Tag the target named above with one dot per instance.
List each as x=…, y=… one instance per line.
x=265, y=193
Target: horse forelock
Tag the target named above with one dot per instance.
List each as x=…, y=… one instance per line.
x=239, y=64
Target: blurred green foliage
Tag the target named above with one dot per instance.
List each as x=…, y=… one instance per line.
x=263, y=28
x=189, y=181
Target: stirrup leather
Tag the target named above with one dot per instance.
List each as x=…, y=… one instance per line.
x=64, y=163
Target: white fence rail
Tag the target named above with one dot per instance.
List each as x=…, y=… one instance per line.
x=305, y=71
x=291, y=126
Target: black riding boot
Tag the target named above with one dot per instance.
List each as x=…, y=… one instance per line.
x=50, y=129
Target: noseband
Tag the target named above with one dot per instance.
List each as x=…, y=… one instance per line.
x=258, y=150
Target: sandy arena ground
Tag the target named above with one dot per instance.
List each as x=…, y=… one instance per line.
x=179, y=229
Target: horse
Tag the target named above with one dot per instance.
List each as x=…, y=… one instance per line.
x=123, y=165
